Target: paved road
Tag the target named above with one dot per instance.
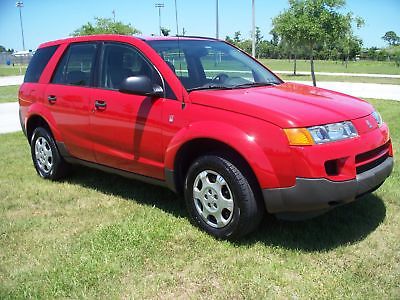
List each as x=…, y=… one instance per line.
x=9, y=120
x=342, y=74
x=363, y=90
x=11, y=80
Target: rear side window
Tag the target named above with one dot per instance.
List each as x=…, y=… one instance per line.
x=76, y=66
x=38, y=63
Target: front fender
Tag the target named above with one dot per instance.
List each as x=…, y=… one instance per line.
x=248, y=142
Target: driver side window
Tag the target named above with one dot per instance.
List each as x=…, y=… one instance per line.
x=122, y=61
x=218, y=64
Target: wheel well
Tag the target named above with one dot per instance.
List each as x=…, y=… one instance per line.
x=33, y=123
x=192, y=150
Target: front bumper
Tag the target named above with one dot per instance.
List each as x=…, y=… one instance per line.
x=320, y=194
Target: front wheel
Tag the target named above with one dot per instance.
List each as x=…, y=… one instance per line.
x=45, y=156
x=220, y=199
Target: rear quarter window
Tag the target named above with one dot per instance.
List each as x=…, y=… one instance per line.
x=38, y=63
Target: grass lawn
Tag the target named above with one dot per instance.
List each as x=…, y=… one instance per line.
x=98, y=235
x=362, y=66
x=9, y=93
x=10, y=70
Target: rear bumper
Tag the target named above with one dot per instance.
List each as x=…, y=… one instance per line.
x=320, y=194
x=21, y=121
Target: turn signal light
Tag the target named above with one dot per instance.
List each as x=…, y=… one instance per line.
x=299, y=137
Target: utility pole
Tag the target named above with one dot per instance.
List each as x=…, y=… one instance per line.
x=113, y=12
x=177, y=27
x=216, y=22
x=253, y=30
x=20, y=4
x=159, y=6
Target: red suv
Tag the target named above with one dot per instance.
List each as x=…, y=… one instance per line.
x=203, y=118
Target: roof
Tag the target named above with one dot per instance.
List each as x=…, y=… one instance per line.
x=180, y=37
x=118, y=37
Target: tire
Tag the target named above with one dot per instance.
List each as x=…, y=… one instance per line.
x=220, y=199
x=45, y=156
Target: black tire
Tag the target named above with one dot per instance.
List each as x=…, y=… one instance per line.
x=45, y=156
x=247, y=211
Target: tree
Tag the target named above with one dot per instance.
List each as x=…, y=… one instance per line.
x=245, y=45
x=259, y=39
x=350, y=46
x=391, y=38
x=258, y=35
x=275, y=38
x=2, y=49
x=105, y=25
x=236, y=37
x=284, y=27
x=228, y=39
x=165, y=31
x=316, y=22
x=397, y=57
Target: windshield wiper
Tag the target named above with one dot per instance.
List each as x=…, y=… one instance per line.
x=210, y=87
x=254, y=84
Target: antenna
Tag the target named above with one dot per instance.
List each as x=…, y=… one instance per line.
x=179, y=51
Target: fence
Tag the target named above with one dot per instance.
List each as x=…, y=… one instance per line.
x=9, y=59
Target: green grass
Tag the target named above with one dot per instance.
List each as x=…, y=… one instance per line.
x=362, y=66
x=9, y=93
x=97, y=235
x=10, y=70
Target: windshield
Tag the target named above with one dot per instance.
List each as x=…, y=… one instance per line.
x=211, y=64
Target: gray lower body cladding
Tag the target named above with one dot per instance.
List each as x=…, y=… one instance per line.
x=320, y=194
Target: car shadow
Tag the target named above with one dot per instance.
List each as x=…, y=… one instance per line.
x=343, y=225
x=128, y=189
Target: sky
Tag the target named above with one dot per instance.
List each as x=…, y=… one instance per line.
x=45, y=20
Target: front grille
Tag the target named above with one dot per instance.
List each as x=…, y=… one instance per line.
x=370, y=159
x=372, y=153
x=372, y=164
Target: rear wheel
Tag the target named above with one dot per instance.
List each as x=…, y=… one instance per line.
x=220, y=199
x=45, y=156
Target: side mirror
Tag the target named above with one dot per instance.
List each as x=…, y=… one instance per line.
x=141, y=85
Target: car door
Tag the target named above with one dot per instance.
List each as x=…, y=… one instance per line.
x=126, y=128
x=68, y=98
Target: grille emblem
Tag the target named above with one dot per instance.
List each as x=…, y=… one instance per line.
x=368, y=123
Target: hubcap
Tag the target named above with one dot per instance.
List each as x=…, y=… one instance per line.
x=213, y=198
x=43, y=155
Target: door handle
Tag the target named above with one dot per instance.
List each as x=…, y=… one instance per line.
x=100, y=104
x=52, y=99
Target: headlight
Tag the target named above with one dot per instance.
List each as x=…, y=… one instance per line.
x=332, y=132
x=378, y=118
x=321, y=134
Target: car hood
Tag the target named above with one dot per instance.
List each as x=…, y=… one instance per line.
x=286, y=105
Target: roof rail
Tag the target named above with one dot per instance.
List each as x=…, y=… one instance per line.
x=197, y=37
